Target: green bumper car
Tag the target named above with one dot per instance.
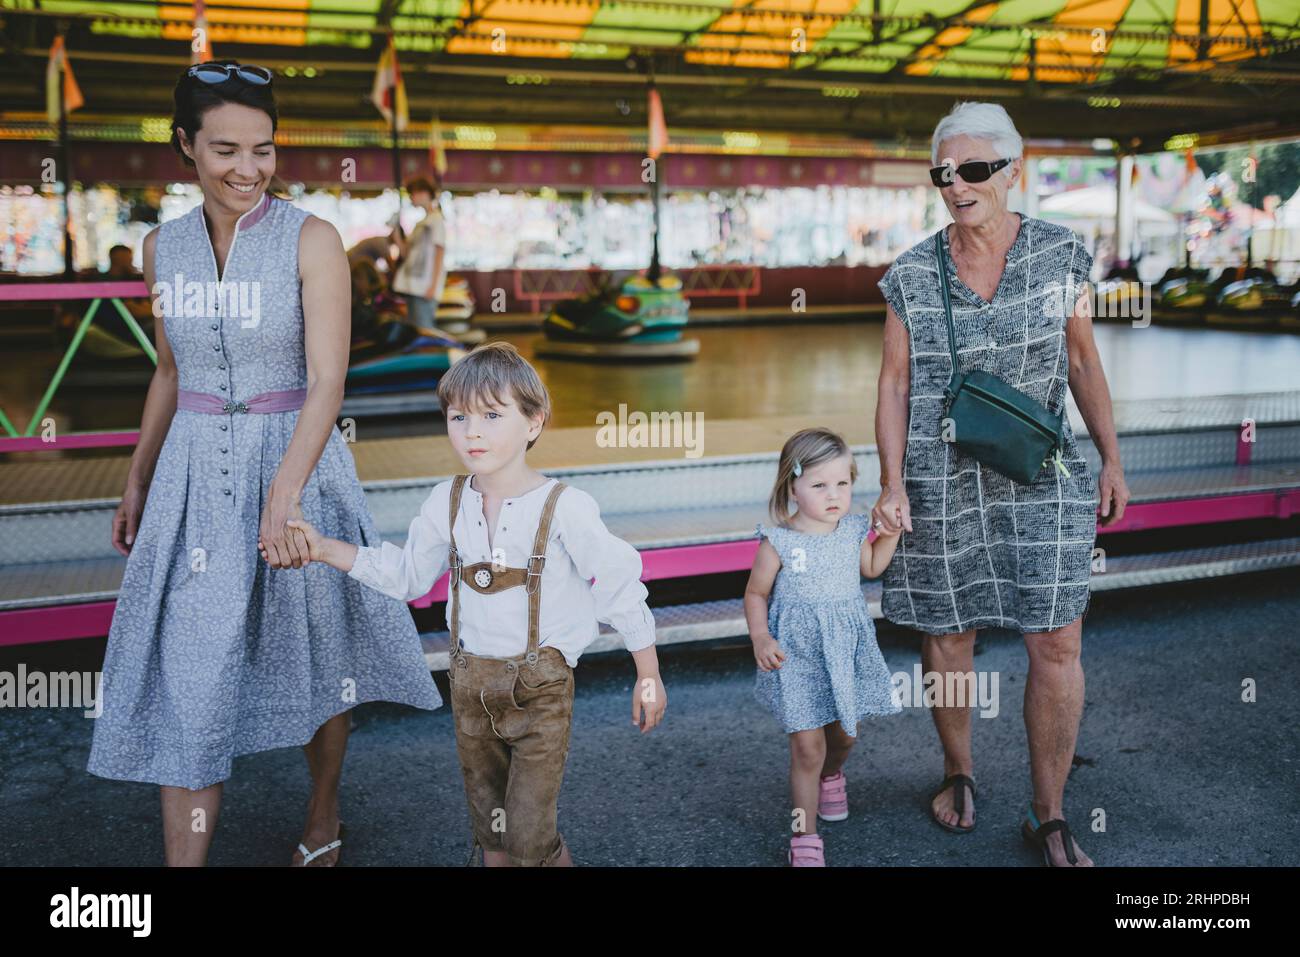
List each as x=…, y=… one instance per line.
x=639, y=318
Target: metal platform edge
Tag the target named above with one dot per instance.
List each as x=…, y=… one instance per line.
x=706, y=621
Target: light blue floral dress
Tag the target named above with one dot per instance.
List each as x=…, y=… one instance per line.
x=833, y=669
x=212, y=653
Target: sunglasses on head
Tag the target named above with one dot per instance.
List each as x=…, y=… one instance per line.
x=972, y=171
x=214, y=73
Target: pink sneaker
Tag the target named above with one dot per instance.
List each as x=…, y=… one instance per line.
x=833, y=799
x=806, y=850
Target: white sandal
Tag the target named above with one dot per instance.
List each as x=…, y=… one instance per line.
x=309, y=856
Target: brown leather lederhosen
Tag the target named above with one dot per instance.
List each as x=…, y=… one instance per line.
x=508, y=708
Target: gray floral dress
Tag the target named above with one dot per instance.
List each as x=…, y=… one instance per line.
x=986, y=551
x=833, y=668
x=212, y=653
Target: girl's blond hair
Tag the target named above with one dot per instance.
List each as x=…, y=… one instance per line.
x=490, y=374
x=810, y=448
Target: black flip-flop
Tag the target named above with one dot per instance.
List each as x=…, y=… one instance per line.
x=959, y=783
x=1037, y=837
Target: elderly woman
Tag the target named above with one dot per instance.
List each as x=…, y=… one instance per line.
x=978, y=549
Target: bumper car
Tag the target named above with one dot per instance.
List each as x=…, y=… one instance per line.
x=1122, y=300
x=1184, y=299
x=1290, y=320
x=388, y=355
x=1186, y=294
x=639, y=318
x=456, y=309
x=1259, y=301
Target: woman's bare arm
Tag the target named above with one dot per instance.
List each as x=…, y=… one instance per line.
x=1092, y=395
x=159, y=408
x=893, y=509
x=327, y=327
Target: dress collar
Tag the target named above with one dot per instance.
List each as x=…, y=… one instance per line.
x=246, y=220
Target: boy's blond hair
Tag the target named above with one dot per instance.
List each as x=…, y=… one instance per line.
x=490, y=374
x=810, y=448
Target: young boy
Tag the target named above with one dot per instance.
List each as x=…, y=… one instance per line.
x=522, y=550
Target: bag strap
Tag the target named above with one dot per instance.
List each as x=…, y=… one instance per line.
x=941, y=259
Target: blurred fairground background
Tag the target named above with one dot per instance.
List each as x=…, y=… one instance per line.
x=685, y=206
x=685, y=203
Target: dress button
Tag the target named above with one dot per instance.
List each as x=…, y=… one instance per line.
x=215, y=327
x=222, y=388
x=222, y=367
x=224, y=451
x=224, y=427
x=227, y=491
x=216, y=348
x=225, y=471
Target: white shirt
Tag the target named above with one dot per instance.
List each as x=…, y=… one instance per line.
x=415, y=273
x=579, y=548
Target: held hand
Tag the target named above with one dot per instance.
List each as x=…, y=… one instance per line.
x=1114, y=493
x=126, y=520
x=882, y=532
x=892, y=510
x=313, y=541
x=768, y=653
x=283, y=547
x=649, y=701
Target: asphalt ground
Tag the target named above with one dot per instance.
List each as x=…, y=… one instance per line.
x=1179, y=768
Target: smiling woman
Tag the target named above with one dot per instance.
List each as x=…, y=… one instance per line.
x=212, y=652
x=979, y=549
x=215, y=84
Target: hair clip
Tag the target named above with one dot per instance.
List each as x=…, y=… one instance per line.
x=798, y=469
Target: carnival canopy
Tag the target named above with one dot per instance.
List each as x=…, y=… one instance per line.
x=1139, y=71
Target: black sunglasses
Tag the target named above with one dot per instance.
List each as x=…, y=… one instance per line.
x=214, y=73
x=972, y=171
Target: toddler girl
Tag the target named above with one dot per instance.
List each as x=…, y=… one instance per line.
x=820, y=669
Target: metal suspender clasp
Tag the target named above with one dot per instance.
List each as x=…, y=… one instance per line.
x=453, y=557
x=534, y=580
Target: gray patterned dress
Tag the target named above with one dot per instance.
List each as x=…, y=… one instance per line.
x=985, y=551
x=833, y=669
x=212, y=653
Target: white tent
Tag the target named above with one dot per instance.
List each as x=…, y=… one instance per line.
x=1279, y=241
x=1098, y=202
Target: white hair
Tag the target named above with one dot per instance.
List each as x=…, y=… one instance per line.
x=985, y=121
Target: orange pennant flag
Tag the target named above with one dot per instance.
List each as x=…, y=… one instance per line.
x=200, y=43
x=437, y=155
x=657, y=139
x=72, y=98
x=389, y=92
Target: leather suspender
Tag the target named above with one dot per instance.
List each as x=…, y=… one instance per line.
x=487, y=578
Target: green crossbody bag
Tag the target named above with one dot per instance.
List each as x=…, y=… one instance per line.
x=997, y=425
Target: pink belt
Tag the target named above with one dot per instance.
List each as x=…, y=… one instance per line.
x=287, y=401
